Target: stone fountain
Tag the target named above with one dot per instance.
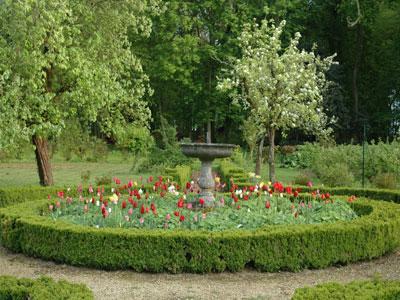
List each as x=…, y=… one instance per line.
x=207, y=152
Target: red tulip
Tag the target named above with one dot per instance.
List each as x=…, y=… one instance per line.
x=176, y=213
x=201, y=201
x=267, y=204
x=180, y=203
x=142, y=209
x=123, y=204
x=182, y=218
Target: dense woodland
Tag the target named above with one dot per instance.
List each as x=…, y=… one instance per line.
x=192, y=43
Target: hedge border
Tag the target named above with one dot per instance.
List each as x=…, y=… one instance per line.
x=368, y=289
x=381, y=194
x=43, y=288
x=270, y=248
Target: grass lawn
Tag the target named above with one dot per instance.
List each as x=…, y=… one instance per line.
x=70, y=173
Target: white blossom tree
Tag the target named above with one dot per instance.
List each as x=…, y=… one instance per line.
x=280, y=85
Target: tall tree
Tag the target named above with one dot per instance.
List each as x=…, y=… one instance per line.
x=280, y=86
x=189, y=44
x=62, y=59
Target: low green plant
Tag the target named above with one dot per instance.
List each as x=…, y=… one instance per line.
x=85, y=176
x=370, y=289
x=103, y=180
x=269, y=248
x=337, y=174
x=304, y=177
x=385, y=181
x=43, y=288
x=251, y=212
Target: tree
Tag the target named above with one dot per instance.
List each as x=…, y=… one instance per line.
x=280, y=85
x=70, y=59
x=187, y=47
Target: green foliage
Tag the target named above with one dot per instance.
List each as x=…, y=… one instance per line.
x=336, y=174
x=76, y=143
x=386, y=195
x=181, y=174
x=231, y=172
x=41, y=289
x=136, y=140
x=303, y=178
x=385, y=181
x=61, y=60
x=357, y=290
x=269, y=248
x=247, y=214
x=280, y=85
x=380, y=158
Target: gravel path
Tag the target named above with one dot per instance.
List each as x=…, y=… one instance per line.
x=243, y=285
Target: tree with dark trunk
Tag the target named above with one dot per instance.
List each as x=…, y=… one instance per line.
x=60, y=60
x=281, y=86
x=43, y=160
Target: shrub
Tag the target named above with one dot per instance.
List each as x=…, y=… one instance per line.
x=372, y=289
x=41, y=289
x=379, y=158
x=269, y=248
x=337, y=174
x=180, y=174
x=304, y=177
x=85, y=176
x=385, y=181
x=103, y=180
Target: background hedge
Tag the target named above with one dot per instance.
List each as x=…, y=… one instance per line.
x=270, y=248
x=361, y=290
x=381, y=194
x=43, y=288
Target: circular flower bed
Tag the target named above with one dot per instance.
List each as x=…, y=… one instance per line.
x=251, y=208
x=30, y=228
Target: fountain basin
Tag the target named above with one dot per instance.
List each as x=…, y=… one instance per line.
x=207, y=151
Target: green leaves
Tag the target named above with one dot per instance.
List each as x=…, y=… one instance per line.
x=280, y=86
x=71, y=59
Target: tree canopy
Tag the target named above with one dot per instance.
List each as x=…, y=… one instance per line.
x=63, y=59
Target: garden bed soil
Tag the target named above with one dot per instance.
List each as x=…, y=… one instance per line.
x=247, y=284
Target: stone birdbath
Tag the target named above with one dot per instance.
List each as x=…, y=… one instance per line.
x=207, y=152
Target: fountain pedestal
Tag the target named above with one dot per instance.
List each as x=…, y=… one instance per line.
x=207, y=153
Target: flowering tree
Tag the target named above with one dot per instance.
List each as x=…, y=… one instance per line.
x=280, y=86
x=65, y=59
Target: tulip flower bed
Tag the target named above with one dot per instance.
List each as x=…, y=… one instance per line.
x=41, y=228
x=251, y=208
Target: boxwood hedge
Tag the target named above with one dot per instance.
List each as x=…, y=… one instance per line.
x=362, y=290
x=43, y=288
x=381, y=194
x=269, y=248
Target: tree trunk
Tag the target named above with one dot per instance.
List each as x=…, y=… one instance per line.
x=43, y=160
x=259, y=160
x=271, y=156
x=208, y=132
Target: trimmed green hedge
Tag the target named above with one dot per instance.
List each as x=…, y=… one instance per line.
x=230, y=171
x=43, y=288
x=269, y=248
x=180, y=174
x=381, y=194
x=362, y=290
x=14, y=195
